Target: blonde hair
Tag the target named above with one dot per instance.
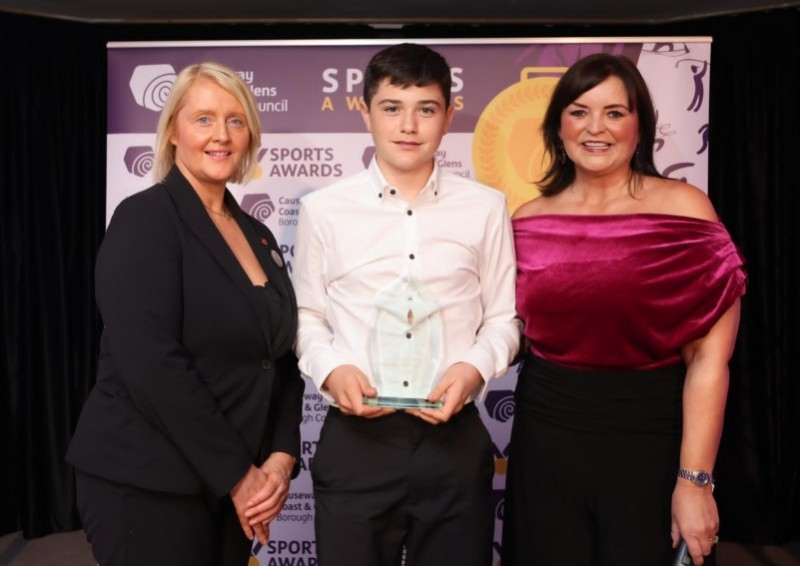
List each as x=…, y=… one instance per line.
x=226, y=78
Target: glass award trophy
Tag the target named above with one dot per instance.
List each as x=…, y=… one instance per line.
x=406, y=346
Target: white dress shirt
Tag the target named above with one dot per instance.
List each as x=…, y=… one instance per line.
x=359, y=239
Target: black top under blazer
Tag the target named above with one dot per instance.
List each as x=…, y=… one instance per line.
x=188, y=391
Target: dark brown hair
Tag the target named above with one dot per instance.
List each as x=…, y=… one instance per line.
x=405, y=65
x=583, y=76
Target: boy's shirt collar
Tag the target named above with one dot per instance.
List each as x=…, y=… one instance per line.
x=385, y=191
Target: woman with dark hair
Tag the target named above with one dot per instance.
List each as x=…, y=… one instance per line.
x=629, y=287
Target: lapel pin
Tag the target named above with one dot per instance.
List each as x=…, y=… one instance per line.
x=276, y=257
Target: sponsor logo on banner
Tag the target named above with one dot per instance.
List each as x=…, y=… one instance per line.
x=139, y=160
x=150, y=85
x=259, y=206
x=500, y=405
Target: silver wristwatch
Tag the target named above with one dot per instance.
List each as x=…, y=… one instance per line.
x=697, y=477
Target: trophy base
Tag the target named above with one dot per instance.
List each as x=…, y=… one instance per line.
x=402, y=403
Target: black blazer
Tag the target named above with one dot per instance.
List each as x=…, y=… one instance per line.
x=188, y=391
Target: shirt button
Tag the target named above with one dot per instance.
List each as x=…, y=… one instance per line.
x=409, y=213
x=266, y=364
x=408, y=335
x=405, y=384
x=410, y=256
x=393, y=191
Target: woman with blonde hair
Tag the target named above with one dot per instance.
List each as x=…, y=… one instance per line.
x=197, y=406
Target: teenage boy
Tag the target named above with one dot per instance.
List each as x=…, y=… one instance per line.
x=404, y=230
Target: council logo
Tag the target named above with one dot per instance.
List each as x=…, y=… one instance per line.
x=150, y=85
x=258, y=206
x=139, y=160
x=500, y=405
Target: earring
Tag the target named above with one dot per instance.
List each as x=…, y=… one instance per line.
x=562, y=153
x=637, y=163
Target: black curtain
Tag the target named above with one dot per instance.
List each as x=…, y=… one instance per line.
x=755, y=114
x=52, y=122
x=52, y=205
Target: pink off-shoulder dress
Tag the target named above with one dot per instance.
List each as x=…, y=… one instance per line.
x=607, y=303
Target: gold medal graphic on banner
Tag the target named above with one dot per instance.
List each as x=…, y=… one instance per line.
x=507, y=148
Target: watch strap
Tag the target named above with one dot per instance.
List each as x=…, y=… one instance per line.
x=698, y=477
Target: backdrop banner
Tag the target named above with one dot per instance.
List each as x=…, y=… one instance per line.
x=308, y=95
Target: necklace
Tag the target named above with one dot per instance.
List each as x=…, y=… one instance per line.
x=226, y=214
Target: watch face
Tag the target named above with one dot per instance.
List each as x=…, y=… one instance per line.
x=697, y=477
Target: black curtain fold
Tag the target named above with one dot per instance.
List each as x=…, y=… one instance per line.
x=52, y=206
x=52, y=169
x=755, y=113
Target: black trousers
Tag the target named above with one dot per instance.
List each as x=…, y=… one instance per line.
x=592, y=465
x=129, y=526
x=396, y=484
